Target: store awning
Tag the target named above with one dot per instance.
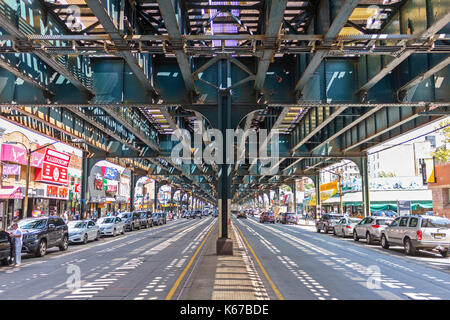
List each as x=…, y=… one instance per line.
x=11, y=193
x=418, y=198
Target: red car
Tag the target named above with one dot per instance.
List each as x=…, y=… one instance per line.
x=241, y=214
x=267, y=217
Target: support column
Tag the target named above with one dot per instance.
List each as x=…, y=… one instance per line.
x=294, y=197
x=317, y=186
x=87, y=164
x=365, y=186
x=132, y=187
x=224, y=244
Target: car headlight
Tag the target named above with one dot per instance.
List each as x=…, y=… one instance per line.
x=32, y=236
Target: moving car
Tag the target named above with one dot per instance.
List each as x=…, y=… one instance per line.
x=267, y=217
x=132, y=220
x=6, y=248
x=42, y=233
x=370, y=228
x=83, y=231
x=327, y=222
x=345, y=226
x=288, y=218
x=418, y=233
x=111, y=226
x=242, y=214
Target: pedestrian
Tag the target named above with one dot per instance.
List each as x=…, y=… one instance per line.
x=17, y=235
x=66, y=217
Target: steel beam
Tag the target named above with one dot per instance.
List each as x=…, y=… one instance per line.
x=336, y=27
x=110, y=27
x=421, y=77
x=170, y=21
x=440, y=22
x=273, y=27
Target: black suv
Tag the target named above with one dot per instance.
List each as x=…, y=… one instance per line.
x=132, y=220
x=6, y=248
x=146, y=219
x=39, y=234
x=327, y=222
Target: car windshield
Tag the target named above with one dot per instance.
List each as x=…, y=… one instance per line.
x=335, y=217
x=77, y=225
x=108, y=220
x=125, y=215
x=290, y=214
x=354, y=220
x=33, y=224
x=143, y=215
x=436, y=223
x=383, y=222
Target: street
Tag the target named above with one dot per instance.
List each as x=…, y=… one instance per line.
x=298, y=263
x=303, y=264
x=140, y=264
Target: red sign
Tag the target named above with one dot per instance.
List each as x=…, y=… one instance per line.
x=77, y=188
x=111, y=188
x=57, y=192
x=52, y=173
x=57, y=158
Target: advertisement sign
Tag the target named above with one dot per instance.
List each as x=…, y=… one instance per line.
x=111, y=188
x=57, y=158
x=54, y=167
x=77, y=188
x=51, y=173
x=326, y=191
x=98, y=184
x=11, y=170
x=57, y=192
x=379, y=184
x=18, y=155
x=427, y=168
x=109, y=173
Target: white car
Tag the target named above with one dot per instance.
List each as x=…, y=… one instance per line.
x=111, y=226
x=345, y=226
x=83, y=231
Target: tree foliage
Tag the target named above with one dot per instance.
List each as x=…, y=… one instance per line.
x=442, y=154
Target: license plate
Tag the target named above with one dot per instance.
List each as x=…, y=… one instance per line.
x=439, y=235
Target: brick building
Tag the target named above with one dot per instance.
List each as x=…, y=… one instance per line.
x=441, y=190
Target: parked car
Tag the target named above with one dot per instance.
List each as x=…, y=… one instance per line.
x=267, y=217
x=145, y=219
x=287, y=218
x=418, y=233
x=327, y=222
x=241, y=214
x=215, y=213
x=164, y=217
x=197, y=214
x=83, y=231
x=385, y=213
x=132, y=220
x=158, y=218
x=111, y=225
x=370, y=228
x=345, y=226
x=42, y=233
x=6, y=248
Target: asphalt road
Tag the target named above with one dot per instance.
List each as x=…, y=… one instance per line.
x=139, y=265
x=303, y=264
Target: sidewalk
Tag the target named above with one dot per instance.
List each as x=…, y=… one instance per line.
x=224, y=277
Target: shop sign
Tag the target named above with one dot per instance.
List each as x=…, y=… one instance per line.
x=11, y=170
x=111, y=188
x=18, y=155
x=56, y=192
x=109, y=173
x=54, y=168
x=98, y=184
x=77, y=188
x=404, y=207
x=52, y=173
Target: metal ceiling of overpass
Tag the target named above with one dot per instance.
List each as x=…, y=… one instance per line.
x=334, y=77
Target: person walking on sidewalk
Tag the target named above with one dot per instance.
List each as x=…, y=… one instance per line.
x=17, y=235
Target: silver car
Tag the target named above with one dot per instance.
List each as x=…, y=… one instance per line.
x=345, y=226
x=83, y=231
x=418, y=232
x=111, y=225
x=370, y=228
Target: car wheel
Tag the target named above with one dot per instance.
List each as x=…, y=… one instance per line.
x=334, y=232
x=384, y=242
x=369, y=239
x=114, y=232
x=444, y=253
x=6, y=262
x=410, y=250
x=85, y=239
x=325, y=230
x=132, y=227
x=41, y=249
x=317, y=230
x=355, y=236
x=65, y=244
x=98, y=236
x=123, y=230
